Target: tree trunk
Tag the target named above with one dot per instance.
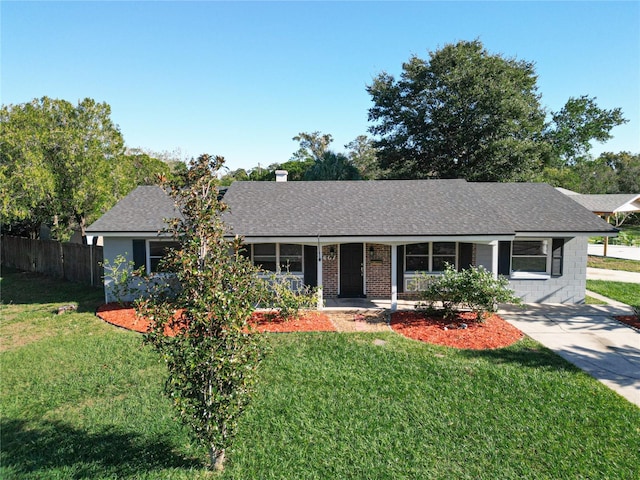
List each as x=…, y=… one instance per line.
x=82, y=222
x=217, y=459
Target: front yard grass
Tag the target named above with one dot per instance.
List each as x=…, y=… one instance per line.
x=82, y=399
x=613, y=263
x=624, y=292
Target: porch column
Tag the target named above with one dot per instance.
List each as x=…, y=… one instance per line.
x=320, y=304
x=494, y=258
x=606, y=239
x=394, y=278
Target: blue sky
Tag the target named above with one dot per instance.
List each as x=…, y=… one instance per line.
x=240, y=79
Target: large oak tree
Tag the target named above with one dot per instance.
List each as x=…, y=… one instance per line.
x=467, y=113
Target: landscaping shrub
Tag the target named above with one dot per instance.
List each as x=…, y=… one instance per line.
x=473, y=289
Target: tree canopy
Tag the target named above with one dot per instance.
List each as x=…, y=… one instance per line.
x=65, y=164
x=467, y=113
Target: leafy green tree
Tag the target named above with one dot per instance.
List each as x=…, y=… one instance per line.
x=239, y=174
x=138, y=168
x=363, y=154
x=61, y=162
x=576, y=125
x=212, y=359
x=27, y=181
x=312, y=145
x=464, y=113
x=333, y=166
x=627, y=168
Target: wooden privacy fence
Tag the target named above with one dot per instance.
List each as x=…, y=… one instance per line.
x=70, y=261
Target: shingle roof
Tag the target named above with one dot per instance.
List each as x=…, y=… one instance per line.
x=609, y=203
x=143, y=210
x=403, y=207
x=373, y=208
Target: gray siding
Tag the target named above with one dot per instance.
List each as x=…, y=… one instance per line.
x=569, y=288
x=484, y=254
x=114, y=246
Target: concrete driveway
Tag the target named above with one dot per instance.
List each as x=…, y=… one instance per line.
x=588, y=337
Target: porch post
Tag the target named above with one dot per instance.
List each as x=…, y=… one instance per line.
x=606, y=239
x=394, y=278
x=320, y=304
x=494, y=258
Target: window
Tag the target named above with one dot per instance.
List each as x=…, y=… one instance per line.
x=290, y=257
x=529, y=256
x=264, y=256
x=443, y=253
x=157, y=251
x=417, y=257
x=429, y=257
x=274, y=257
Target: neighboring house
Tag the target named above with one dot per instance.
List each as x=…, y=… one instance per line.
x=372, y=238
x=606, y=205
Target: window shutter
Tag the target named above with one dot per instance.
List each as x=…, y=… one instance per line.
x=504, y=258
x=400, y=270
x=139, y=254
x=557, y=257
x=465, y=256
x=311, y=265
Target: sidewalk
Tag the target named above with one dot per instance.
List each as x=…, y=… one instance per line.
x=612, y=275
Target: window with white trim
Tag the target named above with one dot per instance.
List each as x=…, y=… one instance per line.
x=531, y=258
x=278, y=257
x=264, y=256
x=429, y=257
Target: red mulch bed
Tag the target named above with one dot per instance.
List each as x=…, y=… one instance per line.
x=125, y=316
x=494, y=332
x=630, y=320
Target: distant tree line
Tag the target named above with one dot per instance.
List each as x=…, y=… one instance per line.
x=461, y=113
x=467, y=113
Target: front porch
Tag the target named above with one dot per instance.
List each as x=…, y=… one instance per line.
x=338, y=304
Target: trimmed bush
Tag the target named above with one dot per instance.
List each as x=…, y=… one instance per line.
x=472, y=289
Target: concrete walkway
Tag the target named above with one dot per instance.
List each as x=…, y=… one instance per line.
x=612, y=275
x=588, y=337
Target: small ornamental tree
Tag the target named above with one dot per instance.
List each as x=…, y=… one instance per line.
x=473, y=289
x=211, y=355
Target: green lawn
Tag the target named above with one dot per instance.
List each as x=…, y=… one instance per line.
x=613, y=263
x=81, y=399
x=628, y=293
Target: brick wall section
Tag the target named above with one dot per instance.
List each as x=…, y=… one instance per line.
x=569, y=288
x=329, y=272
x=378, y=271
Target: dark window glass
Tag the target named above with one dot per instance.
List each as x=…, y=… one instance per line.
x=440, y=262
x=157, y=251
x=290, y=257
x=417, y=263
x=444, y=248
x=418, y=249
x=264, y=256
x=528, y=247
